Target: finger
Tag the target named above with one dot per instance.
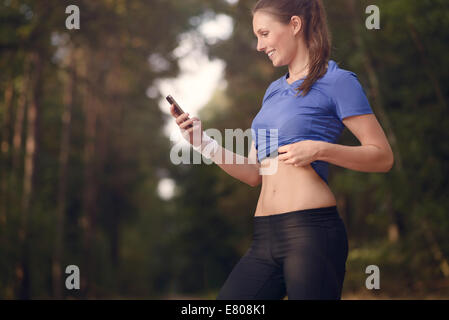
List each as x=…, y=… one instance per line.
x=186, y=123
x=282, y=149
x=283, y=157
x=182, y=118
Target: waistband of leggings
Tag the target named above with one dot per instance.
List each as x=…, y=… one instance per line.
x=324, y=212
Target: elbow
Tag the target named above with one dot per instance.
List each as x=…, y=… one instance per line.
x=256, y=180
x=390, y=163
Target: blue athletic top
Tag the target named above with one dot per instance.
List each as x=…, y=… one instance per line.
x=287, y=117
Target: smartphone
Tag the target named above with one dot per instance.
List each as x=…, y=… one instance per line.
x=178, y=109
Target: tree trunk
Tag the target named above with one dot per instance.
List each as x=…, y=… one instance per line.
x=69, y=81
x=20, y=116
x=16, y=181
x=90, y=105
x=5, y=155
x=31, y=151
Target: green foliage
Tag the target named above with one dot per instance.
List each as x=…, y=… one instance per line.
x=146, y=247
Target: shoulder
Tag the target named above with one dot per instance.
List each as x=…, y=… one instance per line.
x=343, y=79
x=337, y=79
x=344, y=84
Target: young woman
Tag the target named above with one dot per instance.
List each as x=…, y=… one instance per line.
x=299, y=246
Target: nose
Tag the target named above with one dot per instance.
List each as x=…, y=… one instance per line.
x=260, y=45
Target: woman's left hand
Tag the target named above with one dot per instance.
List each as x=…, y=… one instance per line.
x=299, y=153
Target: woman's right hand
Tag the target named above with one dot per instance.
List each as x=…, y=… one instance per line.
x=188, y=133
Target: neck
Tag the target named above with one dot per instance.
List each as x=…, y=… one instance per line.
x=299, y=68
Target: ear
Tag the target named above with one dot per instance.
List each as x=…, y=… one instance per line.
x=296, y=23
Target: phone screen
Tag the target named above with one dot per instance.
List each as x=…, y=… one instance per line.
x=178, y=109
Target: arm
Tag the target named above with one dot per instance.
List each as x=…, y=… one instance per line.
x=247, y=172
x=374, y=154
x=244, y=170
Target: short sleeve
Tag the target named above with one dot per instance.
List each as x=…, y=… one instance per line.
x=349, y=97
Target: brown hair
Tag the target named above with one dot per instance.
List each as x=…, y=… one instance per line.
x=315, y=30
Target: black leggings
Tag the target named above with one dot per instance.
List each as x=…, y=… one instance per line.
x=301, y=254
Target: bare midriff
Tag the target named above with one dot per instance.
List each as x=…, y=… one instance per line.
x=291, y=188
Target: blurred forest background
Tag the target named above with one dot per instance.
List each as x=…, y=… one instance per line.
x=82, y=150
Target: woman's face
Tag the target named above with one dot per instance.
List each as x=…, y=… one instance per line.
x=277, y=40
